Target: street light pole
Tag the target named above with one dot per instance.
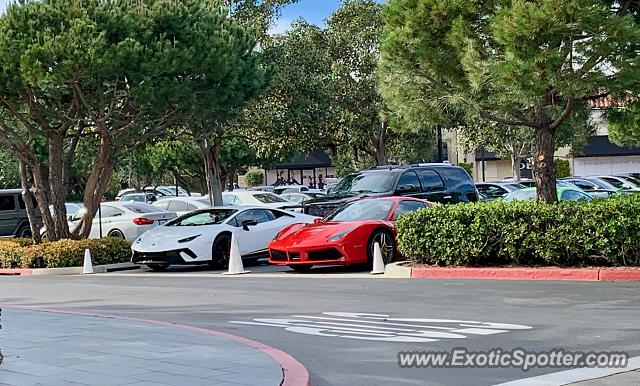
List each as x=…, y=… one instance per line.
x=440, y=159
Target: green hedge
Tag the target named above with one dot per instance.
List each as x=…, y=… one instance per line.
x=598, y=233
x=18, y=253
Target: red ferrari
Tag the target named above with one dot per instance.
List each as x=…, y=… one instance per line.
x=347, y=236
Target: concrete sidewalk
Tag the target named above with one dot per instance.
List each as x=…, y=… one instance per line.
x=50, y=348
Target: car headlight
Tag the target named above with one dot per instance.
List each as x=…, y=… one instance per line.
x=340, y=235
x=188, y=239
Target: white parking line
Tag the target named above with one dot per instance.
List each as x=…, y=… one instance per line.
x=573, y=375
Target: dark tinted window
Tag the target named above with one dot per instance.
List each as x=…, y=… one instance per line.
x=257, y=215
x=457, y=176
x=431, y=181
x=408, y=206
x=7, y=202
x=35, y=203
x=409, y=182
x=203, y=217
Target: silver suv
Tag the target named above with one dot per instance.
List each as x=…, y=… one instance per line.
x=13, y=215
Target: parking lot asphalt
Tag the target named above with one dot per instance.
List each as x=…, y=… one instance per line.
x=320, y=322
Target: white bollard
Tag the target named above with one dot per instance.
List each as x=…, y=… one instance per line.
x=88, y=267
x=235, y=258
x=378, y=262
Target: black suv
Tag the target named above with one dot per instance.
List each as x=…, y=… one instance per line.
x=13, y=215
x=443, y=183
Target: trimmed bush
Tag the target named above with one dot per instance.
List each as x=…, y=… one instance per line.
x=530, y=233
x=468, y=167
x=254, y=178
x=64, y=253
x=563, y=168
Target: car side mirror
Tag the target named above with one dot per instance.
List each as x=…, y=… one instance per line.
x=248, y=223
x=317, y=220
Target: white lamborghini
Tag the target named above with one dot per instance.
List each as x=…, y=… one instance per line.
x=204, y=236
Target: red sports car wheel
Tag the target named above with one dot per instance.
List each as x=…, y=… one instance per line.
x=387, y=245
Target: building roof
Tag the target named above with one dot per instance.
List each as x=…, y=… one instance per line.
x=609, y=101
x=600, y=146
x=315, y=159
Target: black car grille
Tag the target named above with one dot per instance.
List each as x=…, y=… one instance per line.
x=325, y=254
x=171, y=257
x=278, y=255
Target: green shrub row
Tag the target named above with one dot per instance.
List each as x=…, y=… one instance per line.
x=598, y=233
x=21, y=253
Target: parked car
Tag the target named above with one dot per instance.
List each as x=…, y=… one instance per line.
x=498, y=189
x=267, y=188
x=147, y=197
x=630, y=178
x=441, y=183
x=621, y=183
x=256, y=198
x=13, y=215
x=347, y=236
x=597, y=189
x=299, y=198
x=564, y=194
x=182, y=205
x=290, y=189
x=204, y=236
x=123, y=220
x=71, y=207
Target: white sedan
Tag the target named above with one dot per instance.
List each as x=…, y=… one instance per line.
x=204, y=236
x=124, y=220
x=182, y=205
x=257, y=198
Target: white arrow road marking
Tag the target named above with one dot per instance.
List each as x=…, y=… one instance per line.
x=380, y=327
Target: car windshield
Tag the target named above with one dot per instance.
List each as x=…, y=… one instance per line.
x=362, y=210
x=632, y=180
x=315, y=195
x=365, y=183
x=615, y=182
x=268, y=198
x=203, y=217
x=516, y=186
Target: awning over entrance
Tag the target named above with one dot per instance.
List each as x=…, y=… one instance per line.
x=600, y=146
x=315, y=159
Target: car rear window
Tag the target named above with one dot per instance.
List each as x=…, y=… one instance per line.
x=140, y=207
x=268, y=198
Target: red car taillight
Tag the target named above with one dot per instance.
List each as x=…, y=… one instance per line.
x=143, y=221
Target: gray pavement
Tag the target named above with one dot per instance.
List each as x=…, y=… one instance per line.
x=44, y=348
x=599, y=316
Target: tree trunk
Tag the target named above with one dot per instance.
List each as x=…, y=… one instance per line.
x=379, y=142
x=40, y=194
x=28, y=199
x=211, y=154
x=543, y=166
x=101, y=172
x=515, y=163
x=57, y=186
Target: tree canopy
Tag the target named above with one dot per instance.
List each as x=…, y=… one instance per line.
x=514, y=62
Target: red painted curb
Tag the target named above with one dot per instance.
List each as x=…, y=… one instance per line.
x=619, y=274
x=574, y=274
x=15, y=271
x=293, y=372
